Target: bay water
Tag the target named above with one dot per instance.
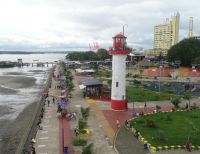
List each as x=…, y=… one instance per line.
x=20, y=86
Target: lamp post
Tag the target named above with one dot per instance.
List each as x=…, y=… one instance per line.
x=160, y=80
x=189, y=93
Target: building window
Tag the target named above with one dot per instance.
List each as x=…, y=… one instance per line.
x=118, y=40
x=117, y=84
x=123, y=97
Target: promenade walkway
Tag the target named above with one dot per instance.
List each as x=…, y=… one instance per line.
x=58, y=133
x=97, y=123
x=47, y=139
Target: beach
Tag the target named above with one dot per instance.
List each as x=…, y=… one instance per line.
x=20, y=93
x=13, y=132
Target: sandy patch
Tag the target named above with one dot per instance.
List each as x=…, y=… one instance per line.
x=17, y=82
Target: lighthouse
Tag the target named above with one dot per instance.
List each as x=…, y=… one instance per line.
x=119, y=52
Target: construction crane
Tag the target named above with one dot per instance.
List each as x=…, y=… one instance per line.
x=190, y=31
x=95, y=47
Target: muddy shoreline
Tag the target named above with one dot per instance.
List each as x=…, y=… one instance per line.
x=14, y=130
x=16, y=134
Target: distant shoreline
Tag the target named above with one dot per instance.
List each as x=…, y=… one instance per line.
x=32, y=52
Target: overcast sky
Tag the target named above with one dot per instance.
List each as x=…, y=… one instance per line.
x=60, y=25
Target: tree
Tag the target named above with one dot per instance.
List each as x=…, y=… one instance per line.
x=197, y=60
x=101, y=54
x=88, y=149
x=187, y=96
x=176, y=101
x=85, y=112
x=82, y=56
x=186, y=51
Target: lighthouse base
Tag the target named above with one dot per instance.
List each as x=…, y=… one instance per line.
x=119, y=105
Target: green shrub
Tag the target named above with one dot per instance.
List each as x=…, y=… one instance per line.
x=85, y=112
x=109, y=82
x=88, y=149
x=82, y=131
x=82, y=123
x=107, y=74
x=176, y=101
x=136, y=82
x=79, y=142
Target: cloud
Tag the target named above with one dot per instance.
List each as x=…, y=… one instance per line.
x=66, y=24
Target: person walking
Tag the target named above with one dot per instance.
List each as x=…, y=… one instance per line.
x=145, y=107
x=33, y=150
x=117, y=123
x=53, y=100
x=48, y=102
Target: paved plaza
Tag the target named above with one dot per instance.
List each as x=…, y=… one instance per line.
x=108, y=137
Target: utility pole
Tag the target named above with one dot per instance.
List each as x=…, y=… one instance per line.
x=160, y=79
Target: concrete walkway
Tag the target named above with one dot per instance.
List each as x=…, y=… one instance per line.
x=96, y=121
x=126, y=143
x=47, y=139
x=109, y=132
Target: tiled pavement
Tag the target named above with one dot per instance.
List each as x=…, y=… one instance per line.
x=56, y=132
x=47, y=139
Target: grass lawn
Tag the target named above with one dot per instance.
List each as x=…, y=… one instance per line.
x=142, y=95
x=172, y=128
x=106, y=74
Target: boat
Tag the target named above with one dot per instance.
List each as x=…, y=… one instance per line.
x=7, y=64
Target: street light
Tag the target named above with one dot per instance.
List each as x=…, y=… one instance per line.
x=188, y=93
x=160, y=80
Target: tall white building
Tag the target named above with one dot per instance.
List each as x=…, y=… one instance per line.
x=166, y=35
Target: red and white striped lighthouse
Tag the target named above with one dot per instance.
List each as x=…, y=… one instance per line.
x=119, y=52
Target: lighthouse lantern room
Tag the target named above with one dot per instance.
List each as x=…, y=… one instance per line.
x=119, y=52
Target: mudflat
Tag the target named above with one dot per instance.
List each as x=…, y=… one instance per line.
x=12, y=131
x=17, y=82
